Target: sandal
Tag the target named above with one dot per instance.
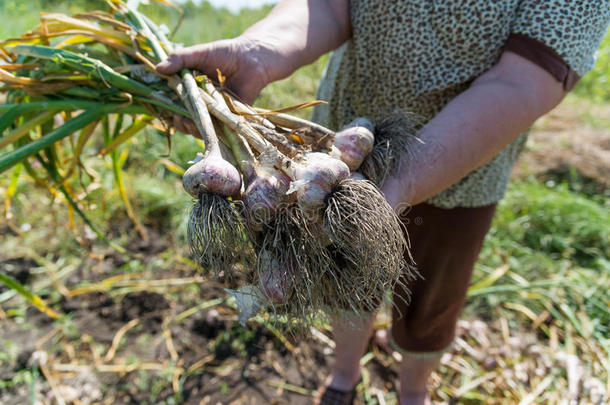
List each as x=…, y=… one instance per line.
x=333, y=396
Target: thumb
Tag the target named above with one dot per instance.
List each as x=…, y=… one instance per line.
x=182, y=58
x=203, y=57
x=171, y=65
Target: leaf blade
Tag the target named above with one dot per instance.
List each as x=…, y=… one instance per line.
x=32, y=298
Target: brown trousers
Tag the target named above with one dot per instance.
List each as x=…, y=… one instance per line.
x=445, y=244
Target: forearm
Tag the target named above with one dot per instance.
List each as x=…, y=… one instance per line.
x=472, y=129
x=297, y=32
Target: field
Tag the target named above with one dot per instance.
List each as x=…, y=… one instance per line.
x=143, y=326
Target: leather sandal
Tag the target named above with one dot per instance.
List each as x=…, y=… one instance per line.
x=333, y=396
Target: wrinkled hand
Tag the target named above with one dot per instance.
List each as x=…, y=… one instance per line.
x=393, y=189
x=240, y=60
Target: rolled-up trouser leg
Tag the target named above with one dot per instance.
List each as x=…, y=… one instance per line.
x=445, y=244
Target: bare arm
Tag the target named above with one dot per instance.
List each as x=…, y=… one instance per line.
x=298, y=32
x=499, y=105
x=295, y=33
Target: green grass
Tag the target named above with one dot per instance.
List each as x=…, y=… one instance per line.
x=554, y=235
x=595, y=86
x=24, y=15
x=556, y=222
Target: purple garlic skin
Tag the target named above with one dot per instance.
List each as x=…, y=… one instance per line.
x=311, y=198
x=264, y=195
x=212, y=174
x=317, y=177
x=353, y=144
x=275, y=279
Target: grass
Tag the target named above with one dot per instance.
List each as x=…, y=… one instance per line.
x=551, y=234
x=595, y=86
x=542, y=279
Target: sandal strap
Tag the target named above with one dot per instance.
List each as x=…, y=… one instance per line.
x=333, y=396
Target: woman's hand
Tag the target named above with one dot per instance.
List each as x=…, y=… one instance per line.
x=295, y=33
x=240, y=60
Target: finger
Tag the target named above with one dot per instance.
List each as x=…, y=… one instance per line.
x=189, y=57
x=248, y=85
x=247, y=92
x=176, y=60
x=171, y=65
x=204, y=57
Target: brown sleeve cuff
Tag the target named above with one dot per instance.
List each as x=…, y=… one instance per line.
x=542, y=55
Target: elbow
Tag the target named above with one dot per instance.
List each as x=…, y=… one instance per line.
x=533, y=85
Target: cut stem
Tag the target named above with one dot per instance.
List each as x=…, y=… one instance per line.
x=243, y=154
x=288, y=121
x=236, y=123
x=195, y=104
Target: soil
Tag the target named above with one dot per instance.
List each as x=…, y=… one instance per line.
x=252, y=371
x=562, y=147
